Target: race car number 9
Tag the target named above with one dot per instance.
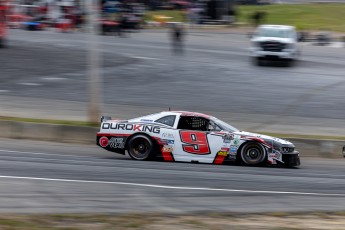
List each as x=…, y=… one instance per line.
x=195, y=142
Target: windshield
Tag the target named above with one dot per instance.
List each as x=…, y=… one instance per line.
x=224, y=126
x=274, y=32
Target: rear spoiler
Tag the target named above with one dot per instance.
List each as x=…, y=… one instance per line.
x=105, y=118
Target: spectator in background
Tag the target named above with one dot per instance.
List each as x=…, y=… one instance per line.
x=258, y=18
x=177, y=37
x=232, y=15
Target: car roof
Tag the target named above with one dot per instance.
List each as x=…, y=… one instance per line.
x=155, y=116
x=277, y=26
x=187, y=113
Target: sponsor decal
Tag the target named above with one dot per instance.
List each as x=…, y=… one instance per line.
x=146, y=120
x=166, y=141
x=168, y=148
x=222, y=153
x=233, y=150
x=103, y=142
x=168, y=135
x=228, y=137
x=170, y=142
x=116, y=143
x=236, y=141
x=274, y=155
x=232, y=157
x=132, y=127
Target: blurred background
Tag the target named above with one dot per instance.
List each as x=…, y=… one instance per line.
x=67, y=62
x=75, y=60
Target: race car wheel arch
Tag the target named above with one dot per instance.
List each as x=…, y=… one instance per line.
x=253, y=153
x=141, y=147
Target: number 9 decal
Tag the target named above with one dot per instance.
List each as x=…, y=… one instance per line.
x=195, y=142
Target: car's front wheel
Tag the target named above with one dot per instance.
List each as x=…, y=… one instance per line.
x=141, y=147
x=253, y=154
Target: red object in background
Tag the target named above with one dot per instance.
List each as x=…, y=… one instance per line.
x=64, y=25
x=15, y=20
x=3, y=24
x=108, y=22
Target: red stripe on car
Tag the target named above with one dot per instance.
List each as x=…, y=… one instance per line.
x=219, y=160
x=167, y=156
x=112, y=135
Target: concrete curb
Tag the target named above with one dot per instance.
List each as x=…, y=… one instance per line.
x=48, y=132
x=87, y=135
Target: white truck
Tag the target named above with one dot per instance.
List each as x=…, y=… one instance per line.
x=271, y=42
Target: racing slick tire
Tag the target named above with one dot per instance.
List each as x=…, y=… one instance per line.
x=141, y=147
x=253, y=154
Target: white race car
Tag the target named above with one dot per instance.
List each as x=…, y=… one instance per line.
x=192, y=137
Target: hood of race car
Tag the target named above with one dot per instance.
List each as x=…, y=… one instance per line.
x=268, y=139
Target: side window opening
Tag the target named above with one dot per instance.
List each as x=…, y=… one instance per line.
x=213, y=127
x=167, y=120
x=193, y=123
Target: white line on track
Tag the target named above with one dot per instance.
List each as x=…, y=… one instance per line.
x=4, y=91
x=172, y=187
x=75, y=74
x=87, y=157
x=29, y=84
x=147, y=58
x=54, y=78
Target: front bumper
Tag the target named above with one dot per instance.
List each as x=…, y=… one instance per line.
x=291, y=159
x=286, y=54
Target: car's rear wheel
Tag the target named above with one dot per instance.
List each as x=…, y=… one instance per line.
x=253, y=154
x=141, y=147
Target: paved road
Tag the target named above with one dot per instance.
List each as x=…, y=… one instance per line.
x=48, y=177
x=43, y=74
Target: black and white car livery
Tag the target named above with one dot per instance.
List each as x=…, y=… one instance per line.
x=192, y=137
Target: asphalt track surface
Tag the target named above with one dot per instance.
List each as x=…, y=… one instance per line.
x=41, y=177
x=44, y=75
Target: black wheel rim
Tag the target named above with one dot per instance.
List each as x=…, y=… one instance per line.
x=140, y=148
x=253, y=154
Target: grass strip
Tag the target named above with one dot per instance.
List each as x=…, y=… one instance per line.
x=270, y=221
x=303, y=16
x=312, y=16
